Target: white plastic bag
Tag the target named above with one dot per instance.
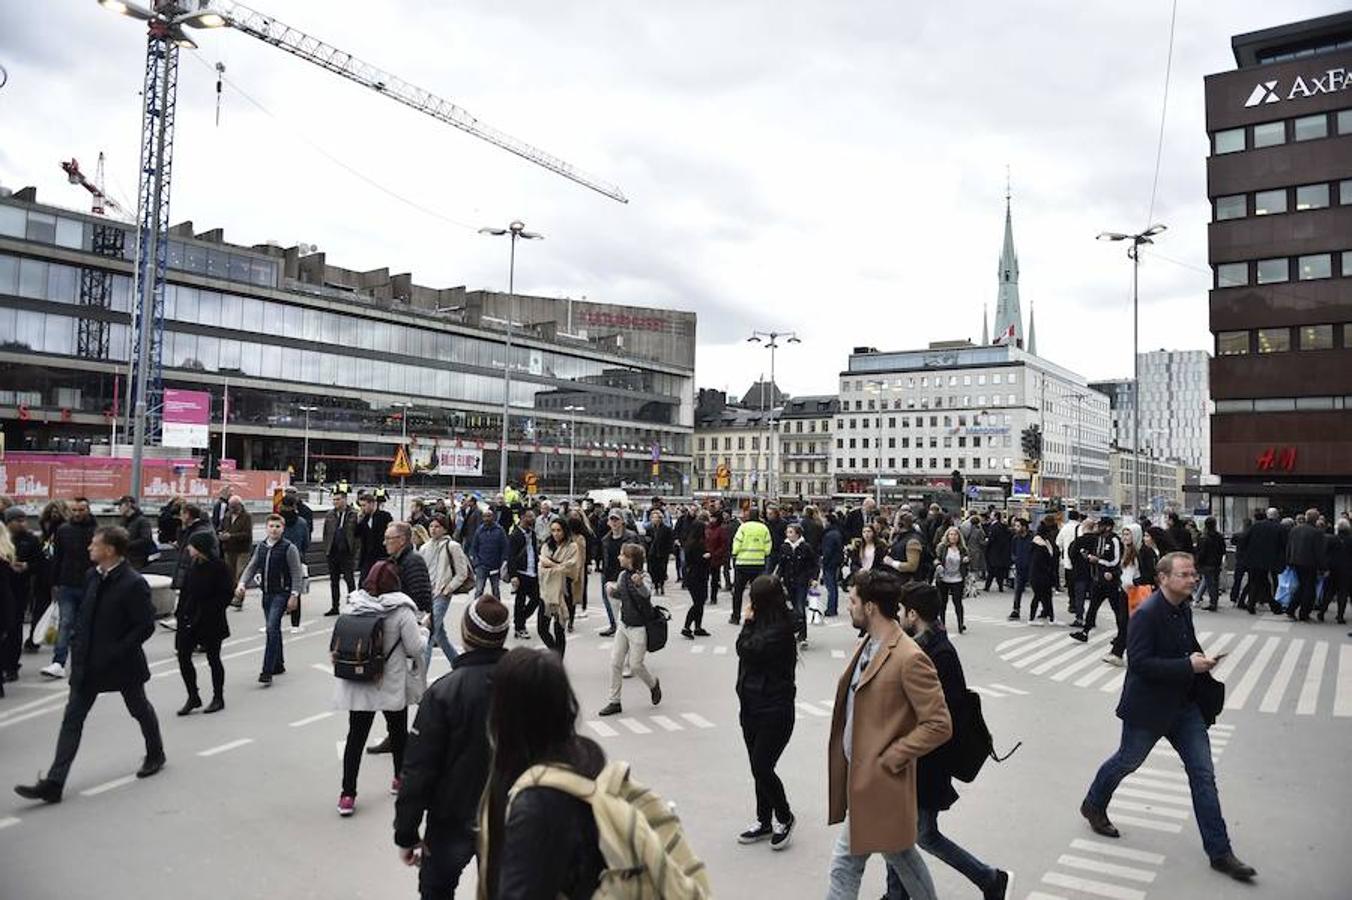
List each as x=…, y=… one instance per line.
x=48, y=624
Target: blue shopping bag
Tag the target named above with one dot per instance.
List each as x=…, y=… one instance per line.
x=1286, y=587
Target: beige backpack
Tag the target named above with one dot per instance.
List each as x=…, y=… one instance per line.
x=644, y=847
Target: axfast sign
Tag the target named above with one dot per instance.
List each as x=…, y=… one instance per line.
x=1275, y=91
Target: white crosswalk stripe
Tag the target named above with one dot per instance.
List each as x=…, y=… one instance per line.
x=1342, y=694
x=720, y=650
x=1273, y=697
x=1145, y=876
x=1240, y=695
x=1314, y=678
x=601, y=728
x=667, y=724
x=1014, y=642
x=1032, y=645
x=1043, y=653
x=1114, y=684
x=1008, y=689
x=1074, y=651
x=1149, y=824
x=1090, y=886
x=635, y=726
x=1150, y=808
x=697, y=720
x=1142, y=856
x=1091, y=677
x=809, y=709
x=1231, y=662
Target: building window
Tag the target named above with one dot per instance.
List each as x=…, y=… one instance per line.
x=1347, y=263
x=1269, y=134
x=1273, y=271
x=852, y=443
x=1318, y=265
x=852, y=462
x=1232, y=343
x=840, y=463
x=1274, y=340
x=1229, y=141
x=1316, y=337
x=1312, y=196
x=1232, y=207
x=1345, y=192
x=1308, y=128
x=891, y=462
x=1345, y=121
x=1267, y=203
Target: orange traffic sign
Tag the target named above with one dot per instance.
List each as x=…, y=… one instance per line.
x=400, y=468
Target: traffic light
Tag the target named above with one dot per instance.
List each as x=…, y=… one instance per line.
x=1037, y=442
x=1028, y=441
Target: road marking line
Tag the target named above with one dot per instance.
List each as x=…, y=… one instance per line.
x=605, y=645
x=1088, y=886
x=837, y=654
x=720, y=650
x=1089, y=678
x=6, y=823
x=698, y=648
x=342, y=748
x=327, y=670
x=1142, y=856
x=1160, y=773
x=1131, y=873
x=1221, y=726
x=635, y=726
x=1005, y=687
x=1087, y=660
x=1342, y=692
x=1032, y=645
x=986, y=692
x=1250, y=680
x=1150, y=824
x=1074, y=651
x=1133, y=806
x=224, y=748
x=1220, y=644
x=809, y=709
x=1183, y=799
x=1040, y=895
x=107, y=786
x=1279, y=627
x=1022, y=639
x=308, y=720
x=1112, y=685
x=1046, y=651
x=1231, y=662
x=1150, y=783
x=601, y=728
x=29, y=705
x=667, y=724
x=1314, y=677
x=34, y=714
x=835, y=624
x=697, y=720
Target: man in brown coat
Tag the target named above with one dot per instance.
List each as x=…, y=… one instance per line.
x=236, y=537
x=889, y=712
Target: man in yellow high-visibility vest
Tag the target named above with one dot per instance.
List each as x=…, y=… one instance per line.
x=750, y=549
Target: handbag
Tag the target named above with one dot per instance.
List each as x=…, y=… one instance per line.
x=1287, y=583
x=1210, y=696
x=1136, y=595
x=47, y=626
x=656, y=629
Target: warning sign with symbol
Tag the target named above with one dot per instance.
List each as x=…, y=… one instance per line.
x=400, y=468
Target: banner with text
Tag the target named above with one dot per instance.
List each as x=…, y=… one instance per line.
x=187, y=416
x=460, y=462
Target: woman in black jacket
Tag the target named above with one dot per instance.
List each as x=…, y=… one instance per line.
x=696, y=576
x=659, y=540
x=1042, y=572
x=1210, y=558
x=766, y=658
x=548, y=846
x=798, y=567
x=208, y=586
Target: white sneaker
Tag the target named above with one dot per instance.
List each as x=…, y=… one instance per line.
x=626, y=673
x=581, y=614
x=296, y=629
x=1113, y=659
x=263, y=630
x=55, y=670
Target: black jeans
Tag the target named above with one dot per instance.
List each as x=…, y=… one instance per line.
x=1238, y=588
x=699, y=585
x=78, y=705
x=12, y=608
x=1042, y=598
x=998, y=574
x=1211, y=585
x=340, y=569
x=713, y=584
x=526, y=600
x=1020, y=582
x=359, y=729
x=1260, y=589
x=767, y=733
x=950, y=591
x=184, y=644
x=1108, y=590
x=1306, y=576
x=448, y=849
x=553, y=632
x=745, y=575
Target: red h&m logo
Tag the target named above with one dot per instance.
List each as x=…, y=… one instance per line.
x=1277, y=459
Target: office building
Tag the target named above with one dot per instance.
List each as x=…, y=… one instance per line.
x=732, y=448
x=803, y=457
x=1279, y=179
x=1175, y=406
x=371, y=354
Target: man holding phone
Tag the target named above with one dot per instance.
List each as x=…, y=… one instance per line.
x=1160, y=699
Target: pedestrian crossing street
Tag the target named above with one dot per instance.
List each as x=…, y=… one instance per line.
x=1271, y=673
x=1154, y=798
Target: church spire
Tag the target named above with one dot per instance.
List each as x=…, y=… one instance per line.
x=1007, y=310
x=985, y=325
x=1032, y=334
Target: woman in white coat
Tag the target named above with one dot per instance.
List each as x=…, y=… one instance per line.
x=403, y=681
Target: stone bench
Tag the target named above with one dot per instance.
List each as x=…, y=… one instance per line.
x=161, y=594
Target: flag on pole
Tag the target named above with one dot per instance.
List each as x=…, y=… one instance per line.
x=1006, y=336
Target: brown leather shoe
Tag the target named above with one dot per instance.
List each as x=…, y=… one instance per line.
x=1098, y=820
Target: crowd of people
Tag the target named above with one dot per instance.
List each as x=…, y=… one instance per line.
x=502, y=725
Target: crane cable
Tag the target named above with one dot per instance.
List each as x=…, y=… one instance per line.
x=1164, y=110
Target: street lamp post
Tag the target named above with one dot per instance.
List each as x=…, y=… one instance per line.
x=876, y=386
x=1075, y=458
x=516, y=231
x=572, y=447
x=771, y=341
x=305, y=457
x=404, y=406
x=1134, y=254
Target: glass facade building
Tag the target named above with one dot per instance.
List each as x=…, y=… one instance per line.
x=607, y=387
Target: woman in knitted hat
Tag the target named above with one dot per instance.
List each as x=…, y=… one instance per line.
x=207, y=588
x=403, y=681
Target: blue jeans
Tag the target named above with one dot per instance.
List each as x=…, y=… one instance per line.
x=831, y=580
x=1020, y=583
x=1079, y=593
x=274, y=608
x=847, y=870
x=1189, y=738
x=439, y=607
x=605, y=599
x=930, y=839
x=482, y=576
x=68, y=605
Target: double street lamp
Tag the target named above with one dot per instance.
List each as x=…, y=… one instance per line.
x=771, y=341
x=516, y=231
x=1134, y=254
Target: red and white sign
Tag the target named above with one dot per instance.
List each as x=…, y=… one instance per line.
x=460, y=462
x=187, y=415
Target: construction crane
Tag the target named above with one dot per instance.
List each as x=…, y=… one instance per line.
x=100, y=201
x=166, y=20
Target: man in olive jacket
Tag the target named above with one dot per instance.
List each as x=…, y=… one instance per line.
x=115, y=619
x=889, y=712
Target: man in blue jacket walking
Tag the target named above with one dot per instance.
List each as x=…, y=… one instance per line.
x=1161, y=698
x=488, y=549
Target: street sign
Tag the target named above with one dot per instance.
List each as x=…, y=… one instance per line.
x=532, y=483
x=400, y=468
x=722, y=477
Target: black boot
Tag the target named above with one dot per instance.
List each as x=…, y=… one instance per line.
x=1098, y=820
x=194, y=702
x=216, y=705
x=382, y=747
x=45, y=790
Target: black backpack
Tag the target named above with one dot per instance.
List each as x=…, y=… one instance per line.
x=972, y=743
x=656, y=628
x=355, y=647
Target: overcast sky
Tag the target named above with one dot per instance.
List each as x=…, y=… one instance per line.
x=834, y=168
